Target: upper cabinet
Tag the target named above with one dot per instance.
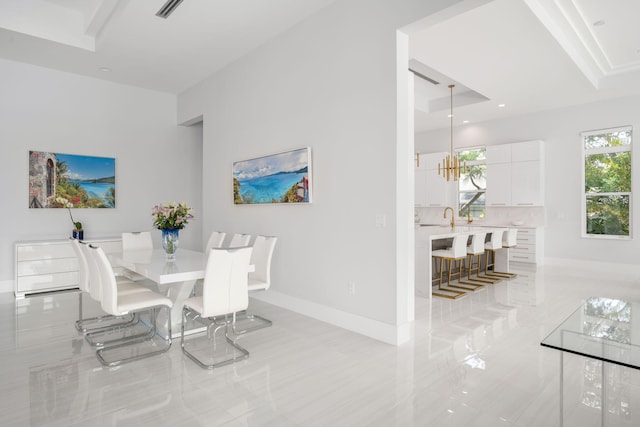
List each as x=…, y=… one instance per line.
x=431, y=189
x=515, y=174
x=498, y=184
x=498, y=154
x=527, y=151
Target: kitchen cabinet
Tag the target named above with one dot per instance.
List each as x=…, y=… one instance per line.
x=529, y=246
x=526, y=151
x=51, y=265
x=526, y=184
x=498, y=184
x=431, y=189
x=515, y=174
x=498, y=154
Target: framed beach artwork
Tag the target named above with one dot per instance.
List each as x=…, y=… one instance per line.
x=278, y=178
x=71, y=181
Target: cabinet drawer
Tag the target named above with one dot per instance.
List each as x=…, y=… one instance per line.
x=523, y=249
x=47, y=266
x=522, y=257
x=526, y=240
x=45, y=282
x=45, y=251
x=526, y=236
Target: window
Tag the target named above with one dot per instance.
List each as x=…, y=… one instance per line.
x=606, y=201
x=472, y=183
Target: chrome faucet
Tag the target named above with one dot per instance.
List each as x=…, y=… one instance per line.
x=453, y=220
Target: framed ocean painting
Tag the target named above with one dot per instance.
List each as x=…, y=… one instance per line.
x=71, y=181
x=278, y=178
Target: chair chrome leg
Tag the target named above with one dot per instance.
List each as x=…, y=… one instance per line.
x=240, y=352
x=97, y=338
x=103, y=323
x=260, y=323
x=130, y=342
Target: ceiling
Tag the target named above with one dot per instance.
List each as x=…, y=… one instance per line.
x=529, y=55
x=139, y=48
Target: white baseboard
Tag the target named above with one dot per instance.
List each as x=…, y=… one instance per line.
x=390, y=334
x=6, y=286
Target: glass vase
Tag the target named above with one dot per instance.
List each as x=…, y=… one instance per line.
x=170, y=238
x=78, y=234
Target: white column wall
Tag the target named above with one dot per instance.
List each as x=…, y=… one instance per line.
x=329, y=83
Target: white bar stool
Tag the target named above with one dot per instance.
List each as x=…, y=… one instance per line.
x=475, y=249
x=490, y=247
x=509, y=240
x=457, y=252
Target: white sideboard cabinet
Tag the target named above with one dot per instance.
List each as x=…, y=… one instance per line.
x=51, y=265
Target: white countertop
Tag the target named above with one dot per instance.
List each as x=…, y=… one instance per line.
x=442, y=232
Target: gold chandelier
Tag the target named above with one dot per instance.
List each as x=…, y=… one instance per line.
x=450, y=166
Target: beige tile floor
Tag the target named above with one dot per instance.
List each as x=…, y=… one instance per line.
x=473, y=362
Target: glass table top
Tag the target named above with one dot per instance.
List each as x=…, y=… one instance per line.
x=602, y=328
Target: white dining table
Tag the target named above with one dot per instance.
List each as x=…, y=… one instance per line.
x=175, y=278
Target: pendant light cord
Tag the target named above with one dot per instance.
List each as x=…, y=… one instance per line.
x=451, y=116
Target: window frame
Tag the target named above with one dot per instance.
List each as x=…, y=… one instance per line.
x=584, y=194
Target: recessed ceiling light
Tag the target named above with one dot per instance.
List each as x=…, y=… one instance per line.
x=500, y=105
x=104, y=69
x=598, y=23
x=465, y=121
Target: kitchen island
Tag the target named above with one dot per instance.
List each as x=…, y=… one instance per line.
x=426, y=236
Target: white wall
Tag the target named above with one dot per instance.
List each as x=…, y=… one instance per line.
x=156, y=160
x=328, y=83
x=560, y=129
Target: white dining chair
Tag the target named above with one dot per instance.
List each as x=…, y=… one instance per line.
x=216, y=239
x=136, y=240
x=85, y=280
x=259, y=280
x=224, y=293
x=239, y=240
x=122, y=324
x=117, y=304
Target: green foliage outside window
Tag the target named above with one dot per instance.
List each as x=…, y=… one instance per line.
x=607, y=182
x=472, y=184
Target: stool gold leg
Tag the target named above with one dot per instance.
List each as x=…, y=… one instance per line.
x=451, y=293
x=468, y=284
